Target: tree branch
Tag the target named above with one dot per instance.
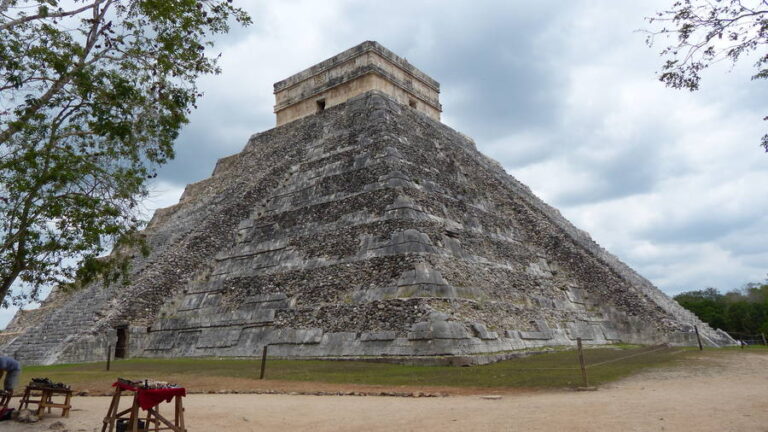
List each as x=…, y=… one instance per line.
x=4, y=5
x=63, y=14
x=64, y=79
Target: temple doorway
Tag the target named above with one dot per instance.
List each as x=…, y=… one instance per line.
x=121, y=348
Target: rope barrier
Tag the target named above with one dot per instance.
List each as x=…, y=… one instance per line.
x=646, y=350
x=540, y=369
x=627, y=357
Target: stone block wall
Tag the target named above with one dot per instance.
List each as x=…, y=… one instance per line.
x=365, y=67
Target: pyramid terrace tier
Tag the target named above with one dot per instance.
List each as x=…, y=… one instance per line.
x=366, y=230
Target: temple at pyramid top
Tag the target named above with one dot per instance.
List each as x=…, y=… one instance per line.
x=367, y=66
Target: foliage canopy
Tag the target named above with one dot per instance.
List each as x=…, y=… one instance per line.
x=740, y=312
x=93, y=94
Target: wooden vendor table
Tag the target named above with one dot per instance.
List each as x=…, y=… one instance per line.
x=148, y=400
x=46, y=395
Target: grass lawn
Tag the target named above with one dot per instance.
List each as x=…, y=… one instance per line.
x=552, y=370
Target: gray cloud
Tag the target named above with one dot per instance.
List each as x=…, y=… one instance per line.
x=705, y=227
x=750, y=239
x=563, y=94
x=493, y=61
x=631, y=171
x=216, y=130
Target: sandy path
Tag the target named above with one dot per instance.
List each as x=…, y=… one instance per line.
x=728, y=393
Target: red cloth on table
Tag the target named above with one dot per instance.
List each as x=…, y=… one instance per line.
x=149, y=398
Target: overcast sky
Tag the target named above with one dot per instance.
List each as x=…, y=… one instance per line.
x=562, y=93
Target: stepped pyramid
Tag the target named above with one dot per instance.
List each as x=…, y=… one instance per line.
x=359, y=226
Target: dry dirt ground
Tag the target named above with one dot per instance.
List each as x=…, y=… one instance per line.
x=726, y=392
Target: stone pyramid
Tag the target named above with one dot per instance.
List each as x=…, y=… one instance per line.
x=360, y=226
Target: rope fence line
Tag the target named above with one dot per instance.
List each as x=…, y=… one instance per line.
x=636, y=353
x=743, y=333
x=755, y=339
x=657, y=348
x=542, y=369
x=749, y=338
x=644, y=351
x=641, y=352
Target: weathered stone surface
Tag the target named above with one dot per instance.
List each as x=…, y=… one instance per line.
x=378, y=336
x=482, y=332
x=543, y=332
x=365, y=67
x=297, y=336
x=219, y=337
x=366, y=230
x=581, y=330
x=161, y=341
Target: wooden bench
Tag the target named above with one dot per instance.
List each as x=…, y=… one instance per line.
x=43, y=397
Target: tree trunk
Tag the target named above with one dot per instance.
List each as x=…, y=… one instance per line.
x=6, y=282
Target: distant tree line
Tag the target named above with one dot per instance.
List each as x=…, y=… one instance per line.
x=740, y=312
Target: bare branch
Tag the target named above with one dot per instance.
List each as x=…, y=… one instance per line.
x=63, y=14
x=708, y=32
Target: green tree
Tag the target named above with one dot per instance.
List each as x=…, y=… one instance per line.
x=93, y=94
x=707, y=304
x=702, y=32
x=743, y=312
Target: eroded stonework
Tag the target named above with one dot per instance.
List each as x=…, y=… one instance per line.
x=368, y=229
x=362, y=68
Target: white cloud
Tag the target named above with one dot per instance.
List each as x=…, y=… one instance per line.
x=563, y=94
x=164, y=194
x=6, y=315
x=672, y=182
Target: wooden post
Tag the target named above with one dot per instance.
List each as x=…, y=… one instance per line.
x=109, y=355
x=263, y=361
x=133, y=423
x=763, y=336
x=581, y=363
x=180, y=414
x=698, y=338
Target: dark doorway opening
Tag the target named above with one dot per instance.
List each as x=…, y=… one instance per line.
x=412, y=103
x=320, y=105
x=121, y=348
